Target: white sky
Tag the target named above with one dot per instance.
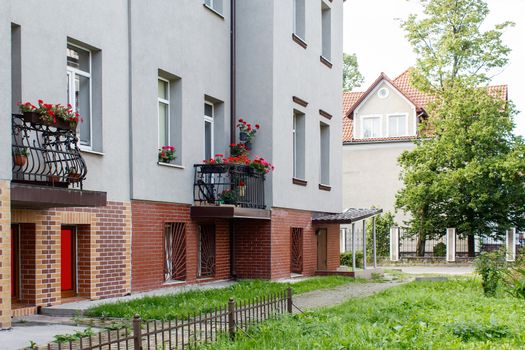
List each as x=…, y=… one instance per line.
x=373, y=33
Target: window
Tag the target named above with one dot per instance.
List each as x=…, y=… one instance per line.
x=79, y=89
x=298, y=132
x=326, y=19
x=174, y=252
x=371, y=127
x=299, y=18
x=216, y=5
x=324, y=163
x=209, y=116
x=164, y=112
x=397, y=125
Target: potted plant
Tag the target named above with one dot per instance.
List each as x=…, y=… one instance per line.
x=261, y=166
x=73, y=175
x=57, y=115
x=167, y=154
x=228, y=197
x=21, y=156
x=242, y=188
x=214, y=165
x=53, y=179
x=238, y=149
x=247, y=133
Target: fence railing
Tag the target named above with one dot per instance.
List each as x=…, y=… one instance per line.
x=45, y=154
x=187, y=333
x=231, y=184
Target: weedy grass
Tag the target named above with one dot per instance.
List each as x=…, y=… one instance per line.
x=167, y=307
x=452, y=314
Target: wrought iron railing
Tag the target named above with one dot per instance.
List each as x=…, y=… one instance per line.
x=229, y=184
x=45, y=154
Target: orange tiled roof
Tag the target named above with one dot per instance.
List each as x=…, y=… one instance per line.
x=352, y=99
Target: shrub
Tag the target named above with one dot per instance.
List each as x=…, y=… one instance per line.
x=346, y=259
x=491, y=266
x=440, y=249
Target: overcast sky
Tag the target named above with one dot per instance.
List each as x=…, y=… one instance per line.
x=371, y=30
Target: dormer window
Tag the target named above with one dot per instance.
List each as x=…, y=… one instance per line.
x=371, y=127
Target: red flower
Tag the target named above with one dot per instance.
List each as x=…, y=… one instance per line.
x=163, y=154
x=219, y=155
x=257, y=126
x=240, y=120
x=40, y=102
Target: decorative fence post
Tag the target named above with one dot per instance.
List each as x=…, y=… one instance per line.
x=137, y=333
x=451, y=244
x=511, y=244
x=289, y=300
x=231, y=318
x=394, y=243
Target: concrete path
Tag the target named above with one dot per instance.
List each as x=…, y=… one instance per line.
x=32, y=329
x=436, y=270
x=338, y=295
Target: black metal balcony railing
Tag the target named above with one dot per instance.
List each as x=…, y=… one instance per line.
x=46, y=155
x=229, y=184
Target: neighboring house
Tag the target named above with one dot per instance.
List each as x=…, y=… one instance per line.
x=143, y=76
x=378, y=125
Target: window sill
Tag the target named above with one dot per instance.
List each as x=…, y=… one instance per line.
x=89, y=151
x=169, y=165
x=326, y=62
x=299, y=182
x=214, y=11
x=171, y=283
x=299, y=41
x=325, y=187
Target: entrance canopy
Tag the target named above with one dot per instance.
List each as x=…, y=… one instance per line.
x=352, y=215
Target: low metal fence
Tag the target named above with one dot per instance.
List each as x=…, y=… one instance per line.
x=187, y=333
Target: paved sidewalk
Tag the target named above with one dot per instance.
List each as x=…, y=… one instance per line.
x=340, y=294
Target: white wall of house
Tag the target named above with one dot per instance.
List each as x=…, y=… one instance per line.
x=371, y=175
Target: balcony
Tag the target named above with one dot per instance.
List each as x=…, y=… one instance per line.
x=48, y=166
x=228, y=191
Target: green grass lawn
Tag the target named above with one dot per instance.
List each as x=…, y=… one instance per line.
x=168, y=307
x=419, y=315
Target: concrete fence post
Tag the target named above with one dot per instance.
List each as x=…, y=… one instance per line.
x=451, y=244
x=510, y=243
x=394, y=243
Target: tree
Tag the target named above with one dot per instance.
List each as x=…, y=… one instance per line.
x=383, y=224
x=469, y=172
x=352, y=78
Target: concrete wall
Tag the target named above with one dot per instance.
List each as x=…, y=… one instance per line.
x=272, y=68
x=371, y=175
x=394, y=103
x=186, y=40
x=44, y=31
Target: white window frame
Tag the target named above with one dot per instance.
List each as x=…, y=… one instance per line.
x=71, y=72
x=213, y=5
x=168, y=103
x=212, y=122
x=301, y=36
x=294, y=147
x=397, y=115
x=372, y=116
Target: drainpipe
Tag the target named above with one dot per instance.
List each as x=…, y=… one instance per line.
x=233, y=109
x=130, y=144
x=233, y=93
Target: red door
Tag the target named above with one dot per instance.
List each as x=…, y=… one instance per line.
x=14, y=261
x=68, y=268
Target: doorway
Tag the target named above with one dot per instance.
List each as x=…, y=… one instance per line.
x=68, y=262
x=15, y=263
x=322, y=250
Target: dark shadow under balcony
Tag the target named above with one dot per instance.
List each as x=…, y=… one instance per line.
x=48, y=169
x=228, y=191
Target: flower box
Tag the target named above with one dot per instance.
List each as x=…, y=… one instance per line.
x=213, y=169
x=34, y=118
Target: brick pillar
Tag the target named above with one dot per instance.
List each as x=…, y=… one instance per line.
x=451, y=244
x=5, y=255
x=511, y=244
x=394, y=243
x=47, y=246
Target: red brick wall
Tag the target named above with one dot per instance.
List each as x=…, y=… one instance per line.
x=84, y=261
x=147, y=244
x=28, y=263
x=253, y=248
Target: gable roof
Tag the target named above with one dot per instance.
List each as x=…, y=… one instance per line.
x=352, y=100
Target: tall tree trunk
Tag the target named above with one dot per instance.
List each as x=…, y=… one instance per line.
x=420, y=247
x=471, y=240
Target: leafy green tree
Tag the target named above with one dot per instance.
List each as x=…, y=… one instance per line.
x=352, y=78
x=469, y=172
x=383, y=224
